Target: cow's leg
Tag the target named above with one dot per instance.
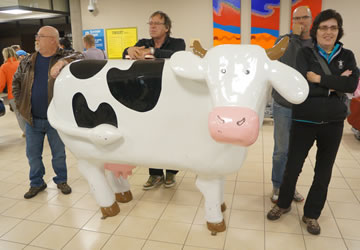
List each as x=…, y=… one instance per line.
x=120, y=186
x=213, y=192
x=104, y=196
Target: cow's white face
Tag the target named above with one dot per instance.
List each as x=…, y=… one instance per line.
x=238, y=79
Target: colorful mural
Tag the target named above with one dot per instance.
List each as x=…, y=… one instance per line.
x=265, y=19
x=226, y=22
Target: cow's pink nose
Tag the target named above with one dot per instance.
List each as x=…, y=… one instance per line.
x=234, y=125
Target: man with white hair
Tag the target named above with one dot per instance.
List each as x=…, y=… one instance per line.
x=33, y=90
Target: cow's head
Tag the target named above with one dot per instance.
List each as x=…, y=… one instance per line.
x=238, y=78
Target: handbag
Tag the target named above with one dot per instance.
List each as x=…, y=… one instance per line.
x=2, y=107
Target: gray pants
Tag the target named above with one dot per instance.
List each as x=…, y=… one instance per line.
x=19, y=118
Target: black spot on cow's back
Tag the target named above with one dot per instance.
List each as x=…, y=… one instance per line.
x=139, y=87
x=86, y=68
x=85, y=118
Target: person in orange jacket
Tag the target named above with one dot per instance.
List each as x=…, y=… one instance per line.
x=7, y=71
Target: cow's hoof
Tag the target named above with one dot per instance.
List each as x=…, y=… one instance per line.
x=216, y=227
x=223, y=207
x=124, y=197
x=110, y=211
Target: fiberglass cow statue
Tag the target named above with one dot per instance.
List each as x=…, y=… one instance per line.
x=185, y=112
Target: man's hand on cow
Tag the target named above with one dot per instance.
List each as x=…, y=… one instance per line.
x=136, y=52
x=55, y=70
x=313, y=77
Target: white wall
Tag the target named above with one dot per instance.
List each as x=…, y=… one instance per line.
x=193, y=18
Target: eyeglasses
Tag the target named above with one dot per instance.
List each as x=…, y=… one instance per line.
x=298, y=18
x=155, y=23
x=39, y=36
x=326, y=28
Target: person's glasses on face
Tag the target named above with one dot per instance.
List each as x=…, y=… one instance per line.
x=298, y=18
x=155, y=23
x=325, y=28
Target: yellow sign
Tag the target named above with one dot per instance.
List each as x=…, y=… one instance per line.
x=119, y=39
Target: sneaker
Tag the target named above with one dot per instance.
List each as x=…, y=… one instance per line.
x=276, y=212
x=298, y=197
x=275, y=195
x=312, y=225
x=33, y=191
x=170, y=180
x=64, y=187
x=153, y=181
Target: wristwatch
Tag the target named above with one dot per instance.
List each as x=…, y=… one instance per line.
x=152, y=50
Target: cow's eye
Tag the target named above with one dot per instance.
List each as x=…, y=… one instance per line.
x=223, y=71
x=247, y=72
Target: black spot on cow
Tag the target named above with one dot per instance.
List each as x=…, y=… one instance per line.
x=86, y=68
x=139, y=87
x=85, y=118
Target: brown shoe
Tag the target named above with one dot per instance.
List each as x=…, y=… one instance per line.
x=64, y=187
x=276, y=212
x=33, y=191
x=170, y=180
x=153, y=181
x=312, y=225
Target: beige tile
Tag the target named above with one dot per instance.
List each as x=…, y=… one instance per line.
x=347, y=163
x=353, y=183
x=229, y=187
x=47, y=213
x=24, y=232
x=352, y=244
x=87, y=202
x=136, y=227
x=283, y=241
x=188, y=184
x=341, y=195
x=347, y=228
x=350, y=172
x=156, y=245
x=158, y=195
x=117, y=242
x=87, y=240
x=198, y=248
x=66, y=200
x=109, y=225
x=247, y=239
x=179, y=213
x=169, y=231
x=54, y=237
x=338, y=182
x=7, y=245
x=74, y=217
x=248, y=202
x=345, y=210
x=17, y=192
x=22, y=209
x=138, y=179
x=200, y=236
x=183, y=197
x=288, y=223
x=6, y=187
x=7, y=223
x=250, y=174
x=6, y=203
x=249, y=188
x=317, y=242
x=80, y=186
x=247, y=219
x=148, y=209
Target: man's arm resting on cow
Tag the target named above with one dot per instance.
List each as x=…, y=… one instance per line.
x=178, y=45
x=57, y=67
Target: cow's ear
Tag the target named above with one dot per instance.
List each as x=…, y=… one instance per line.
x=288, y=82
x=187, y=65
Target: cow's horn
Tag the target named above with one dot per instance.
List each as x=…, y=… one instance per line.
x=278, y=49
x=198, y=49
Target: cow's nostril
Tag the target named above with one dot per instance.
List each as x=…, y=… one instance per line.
x=222, y=120
x=241, y=122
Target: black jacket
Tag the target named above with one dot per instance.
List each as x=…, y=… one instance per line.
x=320, y=106
x=169, y=47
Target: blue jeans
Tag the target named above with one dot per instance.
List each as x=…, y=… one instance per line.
x=34, y=148
x=282, y=125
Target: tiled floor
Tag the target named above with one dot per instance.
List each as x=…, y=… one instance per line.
x=173, y=218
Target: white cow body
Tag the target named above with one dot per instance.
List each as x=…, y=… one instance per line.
x=175, y=134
